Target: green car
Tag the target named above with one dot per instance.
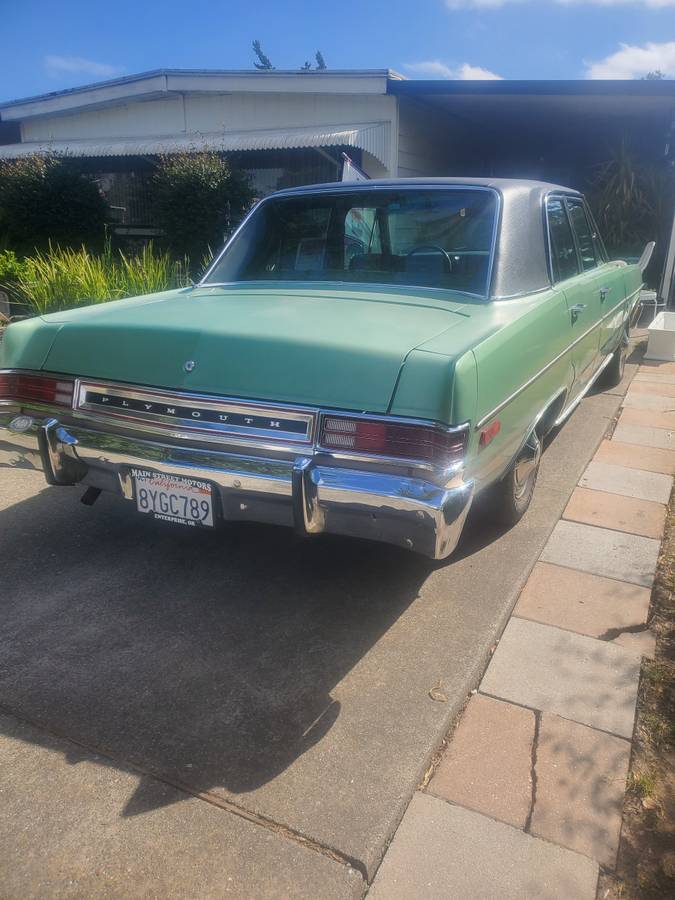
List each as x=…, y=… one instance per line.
x=361, y=359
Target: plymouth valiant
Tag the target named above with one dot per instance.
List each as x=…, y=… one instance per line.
x=360, y=359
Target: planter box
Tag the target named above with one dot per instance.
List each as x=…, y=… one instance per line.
x=661, y=334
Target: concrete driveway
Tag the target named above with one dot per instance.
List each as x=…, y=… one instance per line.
x=237, y=713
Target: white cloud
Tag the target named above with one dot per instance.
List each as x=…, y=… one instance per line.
x=495, y=4
x=57, y=66
x=634, y=62
x=434, y=68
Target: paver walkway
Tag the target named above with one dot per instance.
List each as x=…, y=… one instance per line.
x=526, y=801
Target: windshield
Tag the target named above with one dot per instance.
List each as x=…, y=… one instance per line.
x=429, y=237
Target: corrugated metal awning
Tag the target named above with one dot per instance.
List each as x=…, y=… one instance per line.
x=373, y=137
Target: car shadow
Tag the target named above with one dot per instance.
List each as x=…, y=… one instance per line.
x=205, y=658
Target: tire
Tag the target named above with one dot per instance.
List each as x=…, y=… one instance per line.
x=613, y=374
x=511, y=497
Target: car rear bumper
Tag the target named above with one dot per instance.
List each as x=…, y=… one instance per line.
x=305, y=492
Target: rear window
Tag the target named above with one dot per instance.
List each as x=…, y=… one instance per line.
x=440, y=238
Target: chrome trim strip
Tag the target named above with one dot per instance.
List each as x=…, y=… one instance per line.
x=500, y=406
x=202, y=404
x=580, y=396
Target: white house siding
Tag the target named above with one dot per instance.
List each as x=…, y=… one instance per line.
x=197, y=114
x=425, y=140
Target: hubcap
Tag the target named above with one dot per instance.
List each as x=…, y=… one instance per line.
x=526, y=466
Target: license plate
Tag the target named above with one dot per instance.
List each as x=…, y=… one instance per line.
x=173, y=498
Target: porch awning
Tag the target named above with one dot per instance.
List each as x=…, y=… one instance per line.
x=373, y=137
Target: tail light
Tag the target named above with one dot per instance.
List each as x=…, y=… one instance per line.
x=48, y=389
x=427, y=443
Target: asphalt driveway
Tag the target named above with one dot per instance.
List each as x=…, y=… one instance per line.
x=238, y=712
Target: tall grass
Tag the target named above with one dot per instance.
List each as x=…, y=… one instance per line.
x=62, y=279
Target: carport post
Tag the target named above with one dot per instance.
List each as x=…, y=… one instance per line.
x=666, y=286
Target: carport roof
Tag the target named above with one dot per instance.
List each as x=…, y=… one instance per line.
x=497, y=102
x=558, y=88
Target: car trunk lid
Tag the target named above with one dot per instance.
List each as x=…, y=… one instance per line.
x=335, y=347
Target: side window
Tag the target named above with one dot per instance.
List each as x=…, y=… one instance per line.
x=600, y=251
x=563, y=251
x=584, y=234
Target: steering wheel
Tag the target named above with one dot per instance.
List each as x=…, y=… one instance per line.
x=437, y=248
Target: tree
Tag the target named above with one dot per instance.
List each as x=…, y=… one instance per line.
x=47, y=199
x=320, y=61
x=264, y=61
x=197, y=199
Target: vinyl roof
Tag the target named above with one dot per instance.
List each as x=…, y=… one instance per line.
x=503, y=185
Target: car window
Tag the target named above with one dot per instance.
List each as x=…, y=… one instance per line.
x=600, y=251
x=584, y=234
x=441, y=238
x=563, y=252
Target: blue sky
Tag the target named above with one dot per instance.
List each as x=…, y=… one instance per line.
x=48, y=46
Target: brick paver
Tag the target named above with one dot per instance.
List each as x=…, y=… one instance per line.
x=645, y=436
x=653, y=377
x=661, y=387
x=648, y=418
x=635, y=456
x=600, y=551
x=487, y=764
x=654, y=366
x=574, y=676
x=614, y=511
x=581, y=602
x=581, y=778
x=655, y=402
x=615, y=479
x=443, y=852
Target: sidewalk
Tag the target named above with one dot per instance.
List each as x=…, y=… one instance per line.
x=526, y=801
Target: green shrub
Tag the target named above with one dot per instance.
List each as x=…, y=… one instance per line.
x=64, y=278
x=11, y=270
x=46, y=198
x=197, y=198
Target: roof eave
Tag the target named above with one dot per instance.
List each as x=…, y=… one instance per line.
x=160, y=82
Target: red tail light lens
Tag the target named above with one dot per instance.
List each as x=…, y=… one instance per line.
x=48, y=389
x=427, y=443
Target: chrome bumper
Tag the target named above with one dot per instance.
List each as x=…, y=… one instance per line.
x=305, y=492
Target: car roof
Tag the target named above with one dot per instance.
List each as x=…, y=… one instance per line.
x=502, y=185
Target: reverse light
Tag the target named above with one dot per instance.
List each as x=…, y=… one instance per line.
x=426, y=443
x=51, y=390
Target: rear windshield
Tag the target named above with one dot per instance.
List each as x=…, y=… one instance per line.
x=438, y=238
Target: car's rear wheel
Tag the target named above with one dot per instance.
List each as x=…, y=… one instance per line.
x=613, y=374
x=513, y=494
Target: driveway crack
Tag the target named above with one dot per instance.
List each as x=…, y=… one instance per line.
x=533, y=770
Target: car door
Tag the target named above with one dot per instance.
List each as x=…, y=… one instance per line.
x=582, y=294
x=606, y=287
x=612, y=295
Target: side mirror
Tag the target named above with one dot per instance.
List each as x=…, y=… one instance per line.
x=646, y=255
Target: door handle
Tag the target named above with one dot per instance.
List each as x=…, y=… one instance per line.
x=576, y=310
x=603, y=293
